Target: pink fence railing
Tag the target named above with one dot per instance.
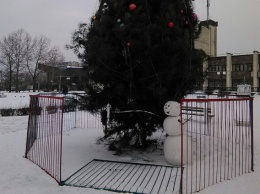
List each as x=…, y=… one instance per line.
x=217, y=141
x=75, y=115
x=217, y=137
x=49, y=117
x=44, y=134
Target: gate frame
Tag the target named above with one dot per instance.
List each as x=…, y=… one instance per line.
x=182, y=101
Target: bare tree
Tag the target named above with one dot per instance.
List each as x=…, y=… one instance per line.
x=55, y=59
x=19, y=51
x=37, y=51
x=12, y=55
x=8, y=69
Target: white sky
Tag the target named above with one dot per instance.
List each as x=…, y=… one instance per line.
x=238, y=29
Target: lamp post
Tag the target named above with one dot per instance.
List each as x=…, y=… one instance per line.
x=221, y=73
x=60, y=81
x=68, y=81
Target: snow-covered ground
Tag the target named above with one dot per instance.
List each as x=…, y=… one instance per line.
x=20, y=176
x=15, y=100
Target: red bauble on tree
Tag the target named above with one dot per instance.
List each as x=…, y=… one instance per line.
x=170, y=24
x=195, y=17
x=132, y=7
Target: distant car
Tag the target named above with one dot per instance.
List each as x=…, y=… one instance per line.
x=215, y=92
x=199, y=92
x=2, y=95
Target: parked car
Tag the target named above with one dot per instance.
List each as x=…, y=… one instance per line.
x=215, y=92
x=199, y=92
x=70, y=104
x=2, y=95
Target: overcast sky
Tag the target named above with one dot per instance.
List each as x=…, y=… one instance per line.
x=238, y=21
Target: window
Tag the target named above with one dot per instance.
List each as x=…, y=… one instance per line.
x=249, y=67
x=236, y=82
x=242, y=67
x=216, y=83
x=216, y=68
x=212, y=68
x=237, y=67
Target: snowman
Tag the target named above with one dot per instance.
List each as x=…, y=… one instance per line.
x=172, y=126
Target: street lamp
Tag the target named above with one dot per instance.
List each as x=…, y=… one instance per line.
x=221, y=73
x=68, y=81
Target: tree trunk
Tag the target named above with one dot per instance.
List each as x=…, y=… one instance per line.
x=10, y=81
x=17, y=81
x=34, y=83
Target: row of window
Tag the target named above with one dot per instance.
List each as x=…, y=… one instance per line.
x=235, y=67
x=217, y=68
x=242, y=67
x=215, y=83
x=236, y=82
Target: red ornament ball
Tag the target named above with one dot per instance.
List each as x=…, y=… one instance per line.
x=195, y=17
x=132, y=7
x=128, y=44
x=181, y=11
x=170, y=24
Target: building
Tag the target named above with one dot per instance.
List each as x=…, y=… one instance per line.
x=69, y=74
x=208, y=38
x=222, y=72
x=226, y=72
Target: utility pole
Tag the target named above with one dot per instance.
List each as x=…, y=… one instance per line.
x=208, y=13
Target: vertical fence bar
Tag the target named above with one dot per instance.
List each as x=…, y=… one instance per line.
x=252, y=134
x=182, y=165
x=61, y=142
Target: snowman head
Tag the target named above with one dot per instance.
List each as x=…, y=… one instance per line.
x=172, y=108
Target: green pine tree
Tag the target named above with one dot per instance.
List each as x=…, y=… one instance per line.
x=139, y=54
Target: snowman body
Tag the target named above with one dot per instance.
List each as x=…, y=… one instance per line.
x=173, y=142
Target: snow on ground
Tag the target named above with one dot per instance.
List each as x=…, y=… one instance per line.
x=15, y=100
x=20, y=176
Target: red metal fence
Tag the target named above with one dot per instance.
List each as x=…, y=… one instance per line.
x=49, y=117
x=217, y=141
x=75, y=115
x=217, y=136
x=44, y=134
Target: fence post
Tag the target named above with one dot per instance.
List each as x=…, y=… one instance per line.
x=181, y=184
x=252, y=133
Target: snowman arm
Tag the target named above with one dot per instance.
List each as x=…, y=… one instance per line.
x=186, y=120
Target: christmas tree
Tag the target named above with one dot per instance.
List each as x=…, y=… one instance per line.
x=139, y=54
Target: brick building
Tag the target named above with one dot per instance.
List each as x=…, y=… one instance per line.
x=226, y=72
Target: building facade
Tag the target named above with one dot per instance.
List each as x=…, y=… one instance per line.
x=208, y=38
x=226, y=72
x=66, y=74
